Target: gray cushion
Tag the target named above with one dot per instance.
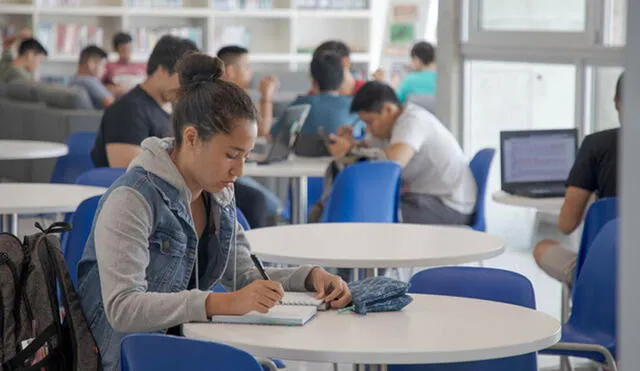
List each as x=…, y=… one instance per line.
x=23, y=91
x=61, y=96
x=426, y=101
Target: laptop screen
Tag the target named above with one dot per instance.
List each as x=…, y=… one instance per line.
x=537, y=156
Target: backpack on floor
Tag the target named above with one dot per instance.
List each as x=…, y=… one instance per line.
x=42, y=324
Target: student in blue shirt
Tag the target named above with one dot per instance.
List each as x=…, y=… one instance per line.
x=423, y=78
x=329, y=109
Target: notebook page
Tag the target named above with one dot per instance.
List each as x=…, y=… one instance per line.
x=286, y=315
x=300, y=298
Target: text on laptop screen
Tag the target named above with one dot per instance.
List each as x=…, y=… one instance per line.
x=538, y=157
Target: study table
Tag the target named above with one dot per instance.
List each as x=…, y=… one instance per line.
x=30, y=149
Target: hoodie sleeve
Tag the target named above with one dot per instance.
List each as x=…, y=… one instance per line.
x=122, y=232
x=241, y=270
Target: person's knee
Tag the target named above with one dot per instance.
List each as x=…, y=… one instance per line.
x=541, y=248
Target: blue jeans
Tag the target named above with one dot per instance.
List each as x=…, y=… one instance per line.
x=256, y=202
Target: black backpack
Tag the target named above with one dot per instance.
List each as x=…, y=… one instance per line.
x=42, y=324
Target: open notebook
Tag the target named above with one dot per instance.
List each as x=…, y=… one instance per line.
x=295, y=309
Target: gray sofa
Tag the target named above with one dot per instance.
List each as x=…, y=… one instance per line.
x=36, y=111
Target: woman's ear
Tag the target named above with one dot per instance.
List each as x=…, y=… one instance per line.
x=190, y=136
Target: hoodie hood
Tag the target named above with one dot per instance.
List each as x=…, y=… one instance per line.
x=155, y=159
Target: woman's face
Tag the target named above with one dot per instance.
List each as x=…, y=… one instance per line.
x=218, y=162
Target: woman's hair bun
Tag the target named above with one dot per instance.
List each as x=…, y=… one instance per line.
x=197, y=68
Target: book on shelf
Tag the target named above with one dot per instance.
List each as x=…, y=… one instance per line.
x=155, y=3
x=241, y=4
x=68, y=39
x=145, y=38
x=331, y=4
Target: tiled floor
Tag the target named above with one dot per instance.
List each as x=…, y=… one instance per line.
x=516, y=259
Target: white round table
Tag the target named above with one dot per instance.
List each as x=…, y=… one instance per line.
x=370, y=245
x=30, y=149
x=297, y=169
x=432, y=329
x=33, y=198
x=549, y=205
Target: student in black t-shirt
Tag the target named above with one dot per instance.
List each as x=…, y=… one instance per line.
x=139, y=114
x=593, y=172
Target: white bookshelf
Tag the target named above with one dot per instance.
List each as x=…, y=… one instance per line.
x=280, y=37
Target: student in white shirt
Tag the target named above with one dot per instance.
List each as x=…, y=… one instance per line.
x=437, y=184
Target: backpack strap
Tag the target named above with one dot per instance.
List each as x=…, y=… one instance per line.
x=57, y=227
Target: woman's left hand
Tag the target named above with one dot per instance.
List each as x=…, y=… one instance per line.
x=329, y=287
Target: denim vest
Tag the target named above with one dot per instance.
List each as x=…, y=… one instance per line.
x=172, y=247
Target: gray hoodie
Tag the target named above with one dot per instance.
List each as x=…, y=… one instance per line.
x=122, y=231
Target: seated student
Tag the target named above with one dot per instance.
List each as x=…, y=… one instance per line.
x=438, y=186
x=139, y=114
x=167, y=231
x=24, y=66
x=90, y=68
x=350, y=85
x=122, y=75
x=422, y=79
x=595, y=170
x=329, y=110
x=237, y=69
x=261, y=206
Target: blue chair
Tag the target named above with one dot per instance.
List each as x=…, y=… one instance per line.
x=366, y=192
x=590, y=331
x=479, y=283
x=100, y=177
x=77, y=161
x=74, y=241
x=154, y=352
x=480, y=166
x=242, y=220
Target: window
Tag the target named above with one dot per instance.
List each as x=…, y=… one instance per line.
x=533, y=15
x=600, y=102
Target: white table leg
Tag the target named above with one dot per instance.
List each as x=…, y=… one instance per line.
x=14, y=224
x=299, y=200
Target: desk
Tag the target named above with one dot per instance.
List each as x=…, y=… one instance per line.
x=34, y=198
x=545, y=224
x=372, y=245
x=30, y=149
x=297, y=169
x=432, y=329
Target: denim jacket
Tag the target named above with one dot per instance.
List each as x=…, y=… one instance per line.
x=142, y=251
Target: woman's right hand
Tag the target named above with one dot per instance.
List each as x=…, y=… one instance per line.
x=259, y=296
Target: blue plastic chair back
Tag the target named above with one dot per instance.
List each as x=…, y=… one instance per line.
x=155, y=352
x=242, y=220
x=600, y=213
x=75, y=240
x=594, y=297
x=100, y=177
x=77, y=161
x=480, y=166
x=479, y=283
x=366, y=192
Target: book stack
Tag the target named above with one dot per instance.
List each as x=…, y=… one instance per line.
x=155, y=3
x=331, y=4
x=145, y=38
x=55, y=3
x=68, y=39
x=241, y=4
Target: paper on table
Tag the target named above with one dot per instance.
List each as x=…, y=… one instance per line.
x=286, y=315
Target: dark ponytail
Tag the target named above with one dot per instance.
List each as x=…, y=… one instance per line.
x=205, y=101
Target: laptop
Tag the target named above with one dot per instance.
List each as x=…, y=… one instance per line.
x=536, y=163
x=279, y=148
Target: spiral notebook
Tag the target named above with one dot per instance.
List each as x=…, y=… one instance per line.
x=295, y=309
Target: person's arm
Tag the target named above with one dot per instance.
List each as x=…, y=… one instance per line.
x=573, y=208
x=403, y=90
x=100, y=95
x=267, y=89
x=242, y=271
x=124, y=130
x=581, y=184
x=401, y=153
x=122, y=232
x=6, y=59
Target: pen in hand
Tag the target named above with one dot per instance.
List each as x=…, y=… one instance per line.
x=260, y=268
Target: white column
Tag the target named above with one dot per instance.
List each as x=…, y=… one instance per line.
x=629, y=254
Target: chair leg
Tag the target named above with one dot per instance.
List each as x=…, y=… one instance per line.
x=335, y=367
x=565, y=302
x=565, y=364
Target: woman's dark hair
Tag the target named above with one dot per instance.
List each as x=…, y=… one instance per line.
x=206, y=102
x=424, y=52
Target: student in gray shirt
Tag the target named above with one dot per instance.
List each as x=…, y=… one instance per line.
x=30, y=55
x=90, y=68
